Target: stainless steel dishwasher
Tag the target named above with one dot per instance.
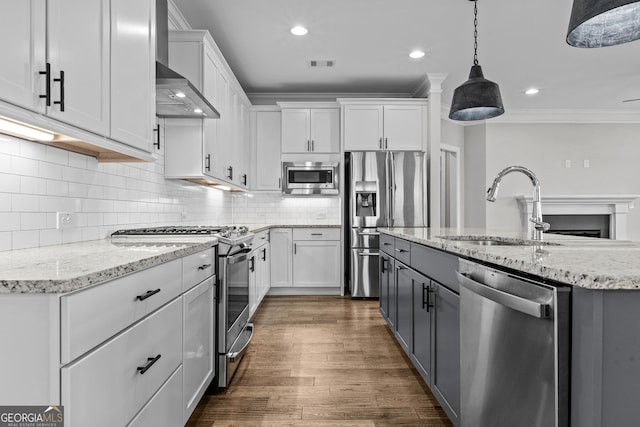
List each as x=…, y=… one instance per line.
x=514, y=347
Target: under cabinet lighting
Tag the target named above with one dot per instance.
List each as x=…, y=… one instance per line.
x=299, y=30
x=23, y=131
x=222, y=187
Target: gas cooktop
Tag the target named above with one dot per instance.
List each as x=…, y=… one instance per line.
x=225, y=234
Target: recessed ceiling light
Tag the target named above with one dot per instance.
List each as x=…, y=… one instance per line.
x=197, y=110
x=299, y=30
x=532, y=91
x=180, y=95
x=416, y=54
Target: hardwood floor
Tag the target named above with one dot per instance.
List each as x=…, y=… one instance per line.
x=322, y=361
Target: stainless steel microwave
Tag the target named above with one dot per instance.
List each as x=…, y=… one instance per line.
x=310, y=178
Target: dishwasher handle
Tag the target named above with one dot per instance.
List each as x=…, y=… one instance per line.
x=515, y=302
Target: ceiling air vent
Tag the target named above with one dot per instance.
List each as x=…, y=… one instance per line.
x=322, y=63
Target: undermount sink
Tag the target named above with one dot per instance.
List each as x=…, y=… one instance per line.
x=495, y=241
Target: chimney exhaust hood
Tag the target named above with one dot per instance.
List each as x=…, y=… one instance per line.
x=176, y=97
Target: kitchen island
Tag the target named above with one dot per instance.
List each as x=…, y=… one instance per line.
x=603, y=277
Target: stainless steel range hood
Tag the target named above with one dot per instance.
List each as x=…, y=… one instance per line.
x=176, y=97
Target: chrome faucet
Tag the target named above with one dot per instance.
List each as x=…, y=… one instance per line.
x=539, y=226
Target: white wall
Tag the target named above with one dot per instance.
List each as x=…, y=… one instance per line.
x=475, y=167
x=613, y=151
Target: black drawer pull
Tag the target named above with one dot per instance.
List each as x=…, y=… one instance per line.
x=401, y=250
x=61, y=81
x=147, y=295
x=387, y=244
x=204, y=266
x=157, y=143
x=47, y=93
x=150, y=362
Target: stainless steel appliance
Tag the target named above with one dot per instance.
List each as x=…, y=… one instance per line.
x=234, y=330
x=514, y=349
x=310, y=179
x=386, y=189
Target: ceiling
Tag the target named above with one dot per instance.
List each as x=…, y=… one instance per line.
x=521, y=44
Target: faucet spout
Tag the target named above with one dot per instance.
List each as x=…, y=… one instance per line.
x=539, y=226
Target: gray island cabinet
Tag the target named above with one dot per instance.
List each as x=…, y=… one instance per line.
x=419, y=299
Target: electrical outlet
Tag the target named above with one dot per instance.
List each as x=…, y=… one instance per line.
x=585, y=164
x=65, y=220
x=567, y=164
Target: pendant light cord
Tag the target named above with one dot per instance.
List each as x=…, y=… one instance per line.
x=475, y=32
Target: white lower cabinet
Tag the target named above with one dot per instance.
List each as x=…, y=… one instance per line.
x=108, y=386
x=198, y=358
x=259, y=271
x=164, y=409
x=316, y=258
x=281, y=263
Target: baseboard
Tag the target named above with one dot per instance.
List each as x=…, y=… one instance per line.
x=304, y=291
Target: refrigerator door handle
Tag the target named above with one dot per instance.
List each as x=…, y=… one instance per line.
x=392, y=189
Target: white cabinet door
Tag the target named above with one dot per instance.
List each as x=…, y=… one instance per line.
x=211, y=164
x=133, y=83
x=253, y=282
x=164, y=409
x=23, y=44
x=363, y=127
x=316, y=263
x=325, y=130
x=198, y=357
x=282, y=257
x=296, y=127
x=78, y=49
x=267, y=149
x=403, y=127
x=265, y=262
x=225, y=123
x=244, y=156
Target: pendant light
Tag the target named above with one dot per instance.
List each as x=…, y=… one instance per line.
x=477, y=98
x=601, y=23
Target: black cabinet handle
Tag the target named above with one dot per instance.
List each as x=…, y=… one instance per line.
x=252, y=264
x=264, y=254
x=150, y=362
x=147, y=295
x=204, y=266
x=230, y=172
x=401, y=250
x=382, y=266
x=61, y=80
x=386, y=244
x=207, y=163
x=426, y=304
x=47, y=93
x=244, y=179
x=157, y=131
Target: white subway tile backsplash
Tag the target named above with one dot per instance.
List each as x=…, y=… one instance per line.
x=25, y=203
x=24, y=166
x=57, y=188
x=5, y=241
x=9, y=221
x=5, y=163
x=9, y=145
x=31, y=185
x=56, y=155
x=9, y=183
x=50, y=237
x=32, y=151
x=33, y=221
x=25, y=239
x=50, y=170
x=77, y=160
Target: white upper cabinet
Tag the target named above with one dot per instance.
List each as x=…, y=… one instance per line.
x=85, y=63
x=267, y=134
x=23, y=43
x=78, y=51
x=375, y=125
x=133, y=86
x=208, y=151
x=307, y=130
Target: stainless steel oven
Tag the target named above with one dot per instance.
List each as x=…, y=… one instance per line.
x=234, y=329
x=310, y=178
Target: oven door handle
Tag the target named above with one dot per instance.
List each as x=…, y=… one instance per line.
x=234, y=259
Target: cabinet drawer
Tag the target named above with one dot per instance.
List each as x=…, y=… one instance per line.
x=197, y=267
x=402, y=251
x=436, y=264
x=316, y=234
x=108, y=387
x=164, y=409
x=387, y=244
x=91, y=316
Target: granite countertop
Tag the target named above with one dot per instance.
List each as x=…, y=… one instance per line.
x=579, y=261
x=69, y=267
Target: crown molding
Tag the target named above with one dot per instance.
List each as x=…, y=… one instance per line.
x=272, y=98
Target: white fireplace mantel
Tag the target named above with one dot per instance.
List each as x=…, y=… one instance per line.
x=616, y=206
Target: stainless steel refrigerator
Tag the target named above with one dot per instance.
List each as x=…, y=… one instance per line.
x=385, y=189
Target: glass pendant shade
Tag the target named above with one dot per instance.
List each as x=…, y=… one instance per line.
x=601, y=23
x=476, y=99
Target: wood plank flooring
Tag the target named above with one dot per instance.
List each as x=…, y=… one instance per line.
x=322, y=361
